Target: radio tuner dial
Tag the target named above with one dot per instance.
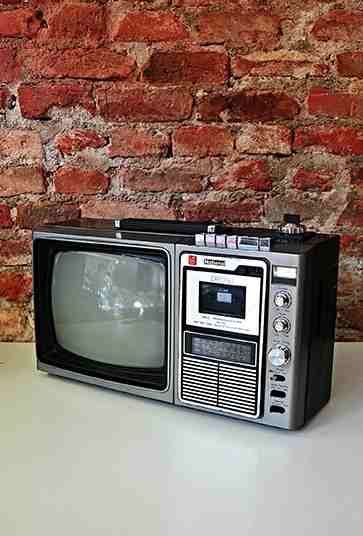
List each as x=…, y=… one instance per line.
x=281, y=325
x=282, y=299
x=279, y=356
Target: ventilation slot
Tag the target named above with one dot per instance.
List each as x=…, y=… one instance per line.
x=228, y=387
x=200, y=381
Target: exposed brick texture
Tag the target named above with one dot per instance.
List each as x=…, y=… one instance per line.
x=246, y=174
x=5, y=217
x=148, y=26
x=21, y=180
x=202, y=141
x=202, y=67
x=264, y=139
x=36, y=100
x=142, y=103
x=4, y=98
x=339, y=26
x=248, y=106
x=234, y=110
x=134, y=142
x=72, y=180
x=10, y=69
x=75, y=140
x=250, y=29
x=98, y=64
x=19, y=23
x=15, y=286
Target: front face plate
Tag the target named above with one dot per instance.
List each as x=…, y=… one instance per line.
x=234, y=314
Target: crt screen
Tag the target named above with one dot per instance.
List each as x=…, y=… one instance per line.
x=110, y=308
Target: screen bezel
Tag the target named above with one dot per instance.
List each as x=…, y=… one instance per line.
x=48, y=349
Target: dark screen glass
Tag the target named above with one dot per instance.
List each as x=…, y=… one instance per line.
x=226, y=300
x=110, y=308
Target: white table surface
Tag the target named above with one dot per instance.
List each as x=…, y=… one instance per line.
x=81, y=460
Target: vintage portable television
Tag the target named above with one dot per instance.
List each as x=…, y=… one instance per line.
x=235, y=321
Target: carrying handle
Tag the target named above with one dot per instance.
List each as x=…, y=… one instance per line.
x=166, y=226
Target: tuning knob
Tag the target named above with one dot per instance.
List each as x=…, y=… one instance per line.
x=282, y=299
x=281, y=325
x=279, y=356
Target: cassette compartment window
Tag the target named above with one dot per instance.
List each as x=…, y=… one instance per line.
x=225, y=300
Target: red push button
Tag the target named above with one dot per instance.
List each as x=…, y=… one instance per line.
x=192, y=260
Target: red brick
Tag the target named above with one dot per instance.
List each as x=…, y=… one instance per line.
x=351, y=317
x=126, y=209
x=357, y=176
x=19, y=23
x=72, y=180
x=248, y=106
x=337, y=140
x=5, y=217
x=10, y=69
x=4, y=97
x=352, y=245
x=131, y=142
x=230, y=212
x=264, y=139
x=76, y=140
x=173, y=179
x=339, y=25
x=20, y=144
x=321, y=180
x=12, y=323
x=75, y=24
x=31, y=215
x=209, y=68
x=21, y=180
x=202, y=141
x=353, y=214
x=15, y=286
x=148, y=26
x=350, y=64
x=252, y=174
x=36, y=100
x=140, y=103
x=100, y=64
x=278, y=63
x=15, y=252
x=324, y=102
x=250, y=29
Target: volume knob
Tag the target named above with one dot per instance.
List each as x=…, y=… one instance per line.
x=279, y=356
x=281, y=325
x=282, y=299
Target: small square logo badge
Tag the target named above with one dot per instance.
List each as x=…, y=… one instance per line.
x=192, y=260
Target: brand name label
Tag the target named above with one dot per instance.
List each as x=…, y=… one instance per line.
x=214, y=262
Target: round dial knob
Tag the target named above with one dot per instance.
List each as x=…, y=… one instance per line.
x=281, y=325
x=282, y=299
x=279, y=356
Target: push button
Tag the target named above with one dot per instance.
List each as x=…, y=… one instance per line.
x=278, y=394
x=277, y=409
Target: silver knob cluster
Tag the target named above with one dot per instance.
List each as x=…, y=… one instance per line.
x=282, y=299
x=279, y=356
x=281, y=325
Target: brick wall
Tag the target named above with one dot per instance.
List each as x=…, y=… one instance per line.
x=230, y=109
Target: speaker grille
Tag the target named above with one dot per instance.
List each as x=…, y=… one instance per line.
x=224, y=386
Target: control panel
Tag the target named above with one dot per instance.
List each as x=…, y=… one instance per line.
x=280, y=344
